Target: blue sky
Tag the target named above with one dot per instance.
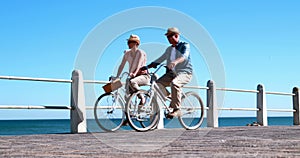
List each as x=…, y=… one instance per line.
x=258, y=41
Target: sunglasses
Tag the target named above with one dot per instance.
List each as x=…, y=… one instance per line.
x=169, y=36
x=131, y=42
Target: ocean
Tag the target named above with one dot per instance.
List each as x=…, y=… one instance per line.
x=58, y=126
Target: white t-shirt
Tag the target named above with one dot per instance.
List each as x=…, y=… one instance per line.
x=173, y=54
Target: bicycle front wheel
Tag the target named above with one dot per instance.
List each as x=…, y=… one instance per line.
x=192, y=111
x=109, y=112
x=141, y=117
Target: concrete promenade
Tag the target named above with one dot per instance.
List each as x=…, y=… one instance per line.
x=270, y=141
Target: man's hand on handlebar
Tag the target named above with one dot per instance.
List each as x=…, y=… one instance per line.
x=152, y=65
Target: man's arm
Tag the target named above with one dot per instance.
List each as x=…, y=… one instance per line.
x=175, y=62
x=184, y=54
x=158, y=60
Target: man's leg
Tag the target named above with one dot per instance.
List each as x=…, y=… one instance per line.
x=165, y=81
x=179, y=81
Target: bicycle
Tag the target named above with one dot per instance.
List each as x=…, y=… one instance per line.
x=145, y=117
x=109, y=107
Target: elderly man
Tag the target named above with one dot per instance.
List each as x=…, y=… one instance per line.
x=179, y=70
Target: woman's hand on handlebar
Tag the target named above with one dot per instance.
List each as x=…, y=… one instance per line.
x=112, y=78
x=132, y=75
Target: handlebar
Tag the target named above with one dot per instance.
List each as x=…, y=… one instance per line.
x=111, y=78
x=157, y=68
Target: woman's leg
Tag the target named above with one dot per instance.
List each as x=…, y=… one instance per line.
x=138, y=81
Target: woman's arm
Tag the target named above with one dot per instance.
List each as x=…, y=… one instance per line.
x=120, y=69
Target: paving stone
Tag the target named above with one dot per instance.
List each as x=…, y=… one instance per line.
x=270, y=141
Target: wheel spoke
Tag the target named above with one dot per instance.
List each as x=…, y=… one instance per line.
x=192, y=111
x=141, y=117
x=108, y=112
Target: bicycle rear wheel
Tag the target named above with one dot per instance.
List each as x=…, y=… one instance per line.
x=141, y=118
x=192, y=110
x=109, y=112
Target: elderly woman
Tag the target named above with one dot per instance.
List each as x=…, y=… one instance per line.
x=136, y=59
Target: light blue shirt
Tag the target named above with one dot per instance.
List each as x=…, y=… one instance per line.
x=182, y=50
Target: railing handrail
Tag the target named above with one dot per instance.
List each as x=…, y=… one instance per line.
x=35, y=79
x=105, y=82
x=256, y=109
x=195, y=87
x=96, y=81
x=240, y=109
x=54, y=107
x=280, y=93
x=237, y=90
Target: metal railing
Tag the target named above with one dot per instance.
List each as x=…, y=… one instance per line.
x=255, y=91
x=261, y=107
x=78, y=123
x=35, y=79
x=34, y=106
x=62, y=107
x=78, y=106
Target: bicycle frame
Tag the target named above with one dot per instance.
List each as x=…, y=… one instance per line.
x=155, y=89
x=149, y=115
x=118, y=95
x=109, y=106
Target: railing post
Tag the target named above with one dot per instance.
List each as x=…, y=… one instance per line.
x=160, y=124
x=261, y=117
x=212, y=112
x=157, y=101
x=296, y=104
x=78, y=112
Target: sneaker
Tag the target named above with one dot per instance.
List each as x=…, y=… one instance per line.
x=125, y=123
x=169, y=116
x=175, y=113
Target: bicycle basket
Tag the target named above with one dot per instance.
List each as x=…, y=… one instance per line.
x=114, y=85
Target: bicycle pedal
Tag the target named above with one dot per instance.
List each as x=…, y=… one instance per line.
x=141, y=120
x=166, y=114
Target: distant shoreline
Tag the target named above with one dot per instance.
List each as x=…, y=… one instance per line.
x=55, y=126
